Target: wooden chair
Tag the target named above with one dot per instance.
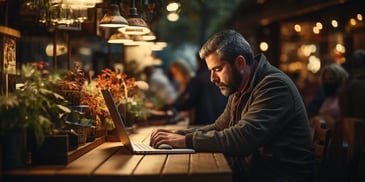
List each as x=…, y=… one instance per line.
x=321, y=136
x=345, y=149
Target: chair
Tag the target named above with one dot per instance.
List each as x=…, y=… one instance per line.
x=321, y=136
x=346, y=148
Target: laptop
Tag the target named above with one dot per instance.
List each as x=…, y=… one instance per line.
x=134, y=147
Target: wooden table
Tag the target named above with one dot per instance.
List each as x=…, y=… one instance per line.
x=110, y=162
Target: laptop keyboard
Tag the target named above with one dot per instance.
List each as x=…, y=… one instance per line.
x=142, y=147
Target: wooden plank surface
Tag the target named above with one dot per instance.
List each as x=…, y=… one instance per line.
x=87, y=164
x=176, y=164
x=150, y=165
x=121, y=163
x=112, y=162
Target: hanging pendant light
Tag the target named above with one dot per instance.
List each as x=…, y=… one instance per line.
x=136, y=25
x=119, y=38
x=112, y=18
x=149, y=36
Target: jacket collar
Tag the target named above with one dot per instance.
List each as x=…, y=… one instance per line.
x=258, y=72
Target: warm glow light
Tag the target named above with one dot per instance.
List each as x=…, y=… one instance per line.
x=334, y=23
x=316, y=30
x=352, y=21
x=314, y=64
x=307, y=50
x=264, y=46
x=297, y=28
x=173, y=17
x=340, y=48
x=297, y=65
x=172, y=6
x=134, y=30
x=359, y=17
x=149, y=36
x=313, y=48
x=61, y=49
x=319, y=25
x=158, y=46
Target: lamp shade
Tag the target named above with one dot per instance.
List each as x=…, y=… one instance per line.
x=138, y=41
x=149, y=36
x=112, y=18
x=136, y=25
x=119, y=38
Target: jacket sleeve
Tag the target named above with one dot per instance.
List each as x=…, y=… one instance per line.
x=221, y=122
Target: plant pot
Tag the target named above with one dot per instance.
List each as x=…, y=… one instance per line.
x=14, y=149
x=54, y=150
x=81, y=133
x=73, y=96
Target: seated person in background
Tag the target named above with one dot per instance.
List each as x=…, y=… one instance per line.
x=333, y=78
x=201, y=97
x=160, y=85
x=264, y=130
x=352, y=97
x=180, y=74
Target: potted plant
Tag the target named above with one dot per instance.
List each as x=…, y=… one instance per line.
x=82, y=103
x=72, y=84
x=127, y=92
x=33, y=109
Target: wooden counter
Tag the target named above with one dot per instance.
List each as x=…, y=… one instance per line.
x=112, y=162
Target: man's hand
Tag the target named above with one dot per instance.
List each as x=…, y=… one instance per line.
x=162, y=136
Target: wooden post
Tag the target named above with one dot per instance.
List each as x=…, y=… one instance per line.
x=54, y=58
x=68, y=50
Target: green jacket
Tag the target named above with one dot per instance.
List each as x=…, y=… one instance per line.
x=268, y=136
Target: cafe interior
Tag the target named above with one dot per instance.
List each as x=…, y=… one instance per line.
x=88, y=43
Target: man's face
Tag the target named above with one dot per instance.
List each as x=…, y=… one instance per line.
x=226, y=77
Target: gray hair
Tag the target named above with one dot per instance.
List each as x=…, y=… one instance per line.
x=339, y=73
x=228, y=44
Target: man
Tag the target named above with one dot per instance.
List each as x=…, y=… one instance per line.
x=264, y=130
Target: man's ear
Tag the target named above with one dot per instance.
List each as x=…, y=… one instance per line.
x=240, y=62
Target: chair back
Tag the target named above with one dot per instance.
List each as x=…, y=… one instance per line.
x=321, y=135
x=346, y=148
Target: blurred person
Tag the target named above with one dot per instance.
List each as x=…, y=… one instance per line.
x=264, y=130
x=201, y=97
x=180, y=74
x=160, y=85
x=315, y=103
x=333, y=77
x=316, y=100
x=352, y=97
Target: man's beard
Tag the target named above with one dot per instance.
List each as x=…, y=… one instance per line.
x=233, y=85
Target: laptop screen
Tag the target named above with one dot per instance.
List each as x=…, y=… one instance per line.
x=117, y=118
x=123, y=135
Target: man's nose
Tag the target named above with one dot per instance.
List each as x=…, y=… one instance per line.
x=213, y=77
